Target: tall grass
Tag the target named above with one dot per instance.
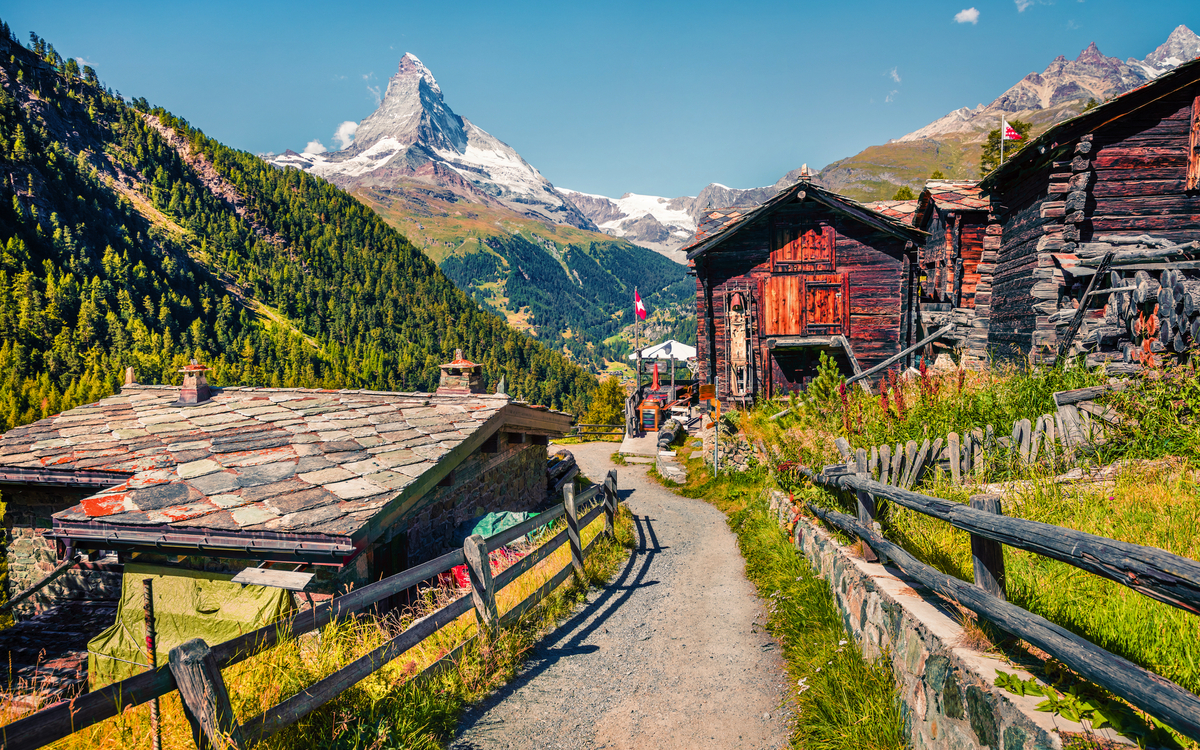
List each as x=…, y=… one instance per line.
x=387, y=709
x=842, y=701
x=1153, y=501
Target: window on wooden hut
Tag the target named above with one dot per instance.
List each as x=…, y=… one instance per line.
x=801, y=247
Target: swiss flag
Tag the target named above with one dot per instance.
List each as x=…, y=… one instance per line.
x=638, y=306
x=1009, y=133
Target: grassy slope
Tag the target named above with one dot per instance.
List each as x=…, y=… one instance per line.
x=876, y=172
x=1155, y=504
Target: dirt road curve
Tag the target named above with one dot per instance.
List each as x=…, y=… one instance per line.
x=670, y=655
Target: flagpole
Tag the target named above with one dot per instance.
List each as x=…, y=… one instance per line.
x=637, y=339
x=1001, y=141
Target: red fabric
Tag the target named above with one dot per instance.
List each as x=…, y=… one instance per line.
x=1009, y=133
x=638, y=306
x=458, y=577
x=655, y=384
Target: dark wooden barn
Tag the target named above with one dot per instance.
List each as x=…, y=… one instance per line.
x=954, y=213
x=809, y=271
x=1127, y=168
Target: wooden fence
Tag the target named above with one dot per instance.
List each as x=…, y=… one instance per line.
x=1158, y=574
x=1078, y=424
x=194, y=668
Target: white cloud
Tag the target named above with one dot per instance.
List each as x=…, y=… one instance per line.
x=895, y=76
x=374, y=90
x=891, y=96
x=971, y=15
x=1022, y=5
x=84, y=62
x=344, y=135
x=315, y=147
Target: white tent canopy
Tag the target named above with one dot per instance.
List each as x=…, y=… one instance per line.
x=670, y=349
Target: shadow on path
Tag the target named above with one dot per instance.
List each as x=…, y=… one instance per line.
x=567, y=639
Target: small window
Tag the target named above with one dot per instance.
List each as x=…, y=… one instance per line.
x=801, y=247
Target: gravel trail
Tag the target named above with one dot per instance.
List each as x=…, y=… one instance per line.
x=671, y=654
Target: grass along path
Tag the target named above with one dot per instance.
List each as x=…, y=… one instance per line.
x=388, y=709
x=671, y=654
x=841, y=701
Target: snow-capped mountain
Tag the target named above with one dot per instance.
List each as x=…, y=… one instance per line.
x=1090, y=75
x=665, y=224
x=414, y=136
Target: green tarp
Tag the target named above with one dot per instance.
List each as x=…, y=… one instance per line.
x=492, y=523
x=187, y=604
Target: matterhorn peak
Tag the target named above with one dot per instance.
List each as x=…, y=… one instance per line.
x=410, y=64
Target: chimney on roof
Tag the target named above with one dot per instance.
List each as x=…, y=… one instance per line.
x=804, y=170
x=461, y=376
x=195, y=385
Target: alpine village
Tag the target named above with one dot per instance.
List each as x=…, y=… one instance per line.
x=399, y=445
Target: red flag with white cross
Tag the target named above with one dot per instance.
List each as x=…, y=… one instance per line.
x=638, y=306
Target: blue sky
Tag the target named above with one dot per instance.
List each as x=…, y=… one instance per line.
x=614, y=97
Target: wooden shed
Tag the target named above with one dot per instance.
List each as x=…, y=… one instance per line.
x=1127, y=168
x=809, y=271
x=954, y=213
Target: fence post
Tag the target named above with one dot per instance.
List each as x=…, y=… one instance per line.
x=610, y=503
x=479, y=568
x=573, y=531
x=987, y=555
x=151, y=659
x=205, y=699
x=866, y=503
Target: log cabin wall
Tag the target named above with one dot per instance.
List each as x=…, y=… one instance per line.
x=1125, y=175
x=862, y=293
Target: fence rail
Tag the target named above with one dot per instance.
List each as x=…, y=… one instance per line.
x=195, y=669
x=1158, y=574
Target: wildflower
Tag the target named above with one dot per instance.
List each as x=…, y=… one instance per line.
x=843, y=642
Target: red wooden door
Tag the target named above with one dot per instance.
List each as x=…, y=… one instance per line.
x=782, y=305
x=824, y=305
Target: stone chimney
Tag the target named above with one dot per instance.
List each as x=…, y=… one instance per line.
x=195, y=385
x=461, y=376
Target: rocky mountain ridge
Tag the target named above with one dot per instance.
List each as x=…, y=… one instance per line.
x=950, y=143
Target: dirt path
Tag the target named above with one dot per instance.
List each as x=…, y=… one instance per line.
x=670, y=655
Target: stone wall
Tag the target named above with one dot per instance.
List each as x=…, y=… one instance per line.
x=947, y=690
x=32, y=553
x=512, y=478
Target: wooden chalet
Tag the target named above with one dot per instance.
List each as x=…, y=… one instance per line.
x=1127, y=168
x=954, y=213
x=809, y=271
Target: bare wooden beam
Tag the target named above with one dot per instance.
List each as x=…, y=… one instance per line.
x=897, y=357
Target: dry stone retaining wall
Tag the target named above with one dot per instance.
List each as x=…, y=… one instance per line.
x=948, y=694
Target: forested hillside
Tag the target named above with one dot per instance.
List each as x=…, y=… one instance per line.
x=131, y=238
x=572, y=288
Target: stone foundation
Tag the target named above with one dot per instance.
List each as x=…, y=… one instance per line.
x=947, y=691
x=32, y=553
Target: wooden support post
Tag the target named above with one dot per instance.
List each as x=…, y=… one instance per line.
x=987, y=555
x=479, y=568
x=610, y=503
x=205, y=699
x=885, y=464
x=866, y=504
x=955, y=453
x=573, y=532
x=151, y=659
x=1025, y=444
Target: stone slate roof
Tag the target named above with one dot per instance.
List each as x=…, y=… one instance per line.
x=283, y=461
x=901, y=211
x=718, y=219
x=949, y=195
